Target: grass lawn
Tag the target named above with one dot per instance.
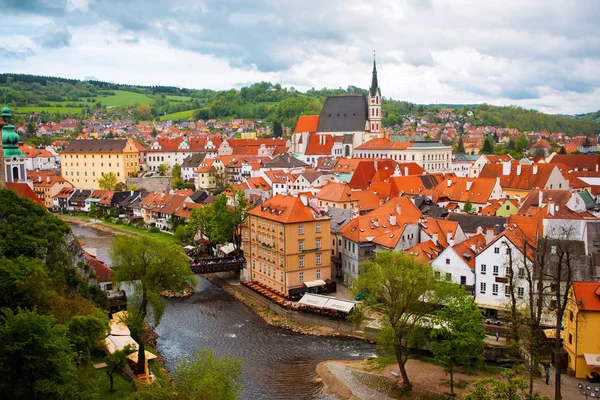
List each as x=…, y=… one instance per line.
x=178, y=115
x=178, y=98
x=123, y=98
x=165, y=237
x=122, y=387
x=49, y=110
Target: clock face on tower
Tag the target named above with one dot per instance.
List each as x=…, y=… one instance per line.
x=372, y=101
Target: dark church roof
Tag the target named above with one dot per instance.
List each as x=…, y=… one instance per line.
x=343, y=114
x=96, y=146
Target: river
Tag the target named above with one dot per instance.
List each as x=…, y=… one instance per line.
x=278, y=364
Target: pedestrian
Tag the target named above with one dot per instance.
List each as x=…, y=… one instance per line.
x=497, y=336
x=547, y=368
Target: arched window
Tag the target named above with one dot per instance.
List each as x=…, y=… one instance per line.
x=15, y=173
x=377, y=112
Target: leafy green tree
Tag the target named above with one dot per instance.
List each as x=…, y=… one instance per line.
x=36, y=360
x=153, y=266
x=239, y=212
x=30, y=128
x=154, y=132
x=460, y=148
x=120, y=187
x=85, y=334
x=176, y=171
x=562, y=150
x=116, y=362
x=24, y=283
x=514, y=388
x=396, y=283
x=458, y=334
x=107, y=181
x=208, y=377
x=468, y=207
x=522, y=143
x=488, y=146
x=277, y=129
x=539, y=153
x=162, y=169
x=94, y=211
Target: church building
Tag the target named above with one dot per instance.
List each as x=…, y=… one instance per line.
x=345, y=122
x=13, y=157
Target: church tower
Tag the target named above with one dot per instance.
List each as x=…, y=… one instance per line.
x=13, y=158
x=374, y=100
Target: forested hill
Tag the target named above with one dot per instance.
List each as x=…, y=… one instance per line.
x=60, y=97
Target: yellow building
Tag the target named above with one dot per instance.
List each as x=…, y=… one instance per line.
x=84, y=161
x=287, y=245
x=581, y=328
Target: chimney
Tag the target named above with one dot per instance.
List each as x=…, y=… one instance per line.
x=473, y=248
x=406, y=170
x=518, y=169
x=469, y=184
x=48, y=179
x=550, y=208
x=506, y=168
x=596, y=167
x=479, y=230
x=434, y=238
x=448, y=236
x=39, y=178
x=398, y=209
x=540, y=197
x=449, y=182
x=392, y=219
x=534, y=169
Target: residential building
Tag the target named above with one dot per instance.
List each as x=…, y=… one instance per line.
x=46, y=187
x=581, y=322
x=287, y=244
x=84, y=161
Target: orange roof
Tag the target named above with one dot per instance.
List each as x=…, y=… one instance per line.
x=185, y=210
x=426, y=250
x=284, y=209
x=541, y=144
x=464, y=248
x=587, y=295
x=258, y=183
x=441, y=227
x=319, y=145
x=383, y=144
x=24, y=190
x=346, y=165
x=455, y=189
x=335, y=191
x=525, y=179
x=103, y=272
x=307, y=123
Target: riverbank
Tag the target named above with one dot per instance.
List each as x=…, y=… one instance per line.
x=117, y=228
x=276, y=316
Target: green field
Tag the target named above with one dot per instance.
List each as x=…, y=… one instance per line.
x=178, y=115
x=123, y=98
x=49, y=110
x=178, y=98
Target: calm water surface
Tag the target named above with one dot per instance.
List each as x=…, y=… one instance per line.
x=278, y=364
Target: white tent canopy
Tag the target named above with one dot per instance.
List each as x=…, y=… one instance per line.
x=315, y=283
x=327, y=302
x=592, y=360
x=228, y=248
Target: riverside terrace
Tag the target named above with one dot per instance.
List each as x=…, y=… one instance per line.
x=207, y=265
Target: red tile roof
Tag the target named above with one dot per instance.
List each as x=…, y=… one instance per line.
x=307, y=123
x=383, y=144
x=24, y=190
x=103, y=272
x=319, y=145
x=587, y=295
x=283, y=209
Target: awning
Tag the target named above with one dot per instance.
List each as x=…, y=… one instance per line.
x=592, y=360
x=188, y=247
x=114, y=343
x=340, y=305
x=551, y=333
x=313, y=300
x=315, y=283
x=228, y=248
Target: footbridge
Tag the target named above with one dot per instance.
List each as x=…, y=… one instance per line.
x=208, y=265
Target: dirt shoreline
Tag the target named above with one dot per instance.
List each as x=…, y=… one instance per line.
x=331, y=384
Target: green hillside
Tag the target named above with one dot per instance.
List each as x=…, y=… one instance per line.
x=269, y=102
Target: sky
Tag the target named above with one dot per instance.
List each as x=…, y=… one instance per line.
x=543, y=55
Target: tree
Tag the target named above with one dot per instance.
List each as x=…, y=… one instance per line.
x=162, y=169
x=277, y=129
x=488, y=146
x=493, y=389
x=208, y=377
x=120, y=187
x=143, y=112
x=154, y=132
x=154, y=266
x=107, y=181
x=522, y=143
x=539, y=153
x=238, y=216
x=468, y=207
x=458, y=334
x=396, y=283
x=30, y=128
x=176, y=171
x=562, y=150
x=85, y=334
x=36, y=360
x=116, y=361
x=460, y=148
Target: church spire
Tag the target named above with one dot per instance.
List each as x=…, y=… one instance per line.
x=374, y=85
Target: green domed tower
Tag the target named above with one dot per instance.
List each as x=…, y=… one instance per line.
x=14, y=159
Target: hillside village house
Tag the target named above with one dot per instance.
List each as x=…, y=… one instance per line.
x=47, y=186
x=84, y=161
x=287, y=245
x=581, y=325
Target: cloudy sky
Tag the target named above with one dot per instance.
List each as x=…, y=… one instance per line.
x=537, y=54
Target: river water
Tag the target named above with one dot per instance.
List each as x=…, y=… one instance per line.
x=278, y=364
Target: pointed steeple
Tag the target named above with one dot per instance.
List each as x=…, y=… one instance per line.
x=374, y=85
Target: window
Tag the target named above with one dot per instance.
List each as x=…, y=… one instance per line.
x=553, y=250
x=448, y=276
x=318, y=274
x=301, y=261
x=301, y=276
x=483, y=268
x=437, y=274
x=318, y=228
x=521, y=272
x=520, y=291
x=496, y=250
x=318, y=243
x=318, y=261
x=282, y=277
x=507, y=290
x=496, y=270
x=301, y=230
x=447, y=261
x=281, y=262
x=495, y=289
x=570, y=338
x=482, y=287
x=571, y=316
